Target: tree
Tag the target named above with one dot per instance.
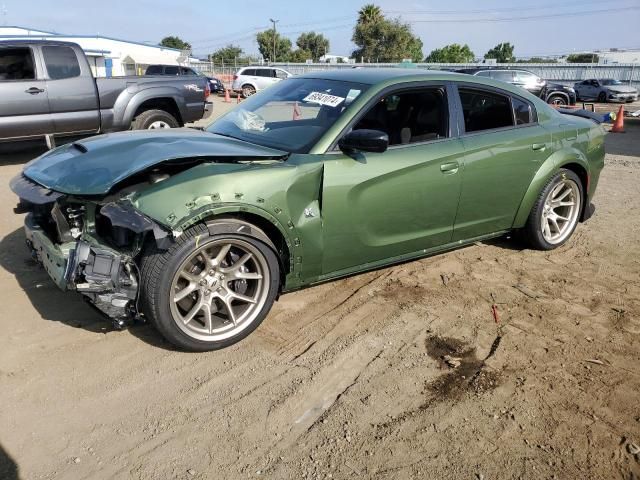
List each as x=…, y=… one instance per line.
x=582, y=58
x=265, y=45
x=454, y=53
x=314, y=43
x=370, y=13
x=299, y=56
x=503, y=53
x=175, y=42
x=230, y=53
x=381, y=40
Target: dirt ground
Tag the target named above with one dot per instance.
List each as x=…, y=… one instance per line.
x=351, y=379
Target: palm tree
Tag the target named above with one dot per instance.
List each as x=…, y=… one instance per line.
x=369, y=13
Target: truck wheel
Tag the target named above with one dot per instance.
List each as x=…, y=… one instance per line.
x=154, y=119
x=208, y=291
x=248, y=90
x=602, y=97
x=555, y=214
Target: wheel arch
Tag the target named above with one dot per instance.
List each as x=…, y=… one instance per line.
x=573, y=161
x=558, y=94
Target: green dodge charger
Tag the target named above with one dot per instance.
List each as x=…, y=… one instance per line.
x=320, y=176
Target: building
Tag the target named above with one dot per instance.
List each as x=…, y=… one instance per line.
x=107, y=56
x=616, y=55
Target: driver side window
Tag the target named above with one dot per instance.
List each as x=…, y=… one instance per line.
x=409, y=117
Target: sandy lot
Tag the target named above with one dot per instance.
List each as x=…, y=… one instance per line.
x=347, y=380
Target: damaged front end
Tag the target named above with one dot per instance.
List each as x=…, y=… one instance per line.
x=88, y=245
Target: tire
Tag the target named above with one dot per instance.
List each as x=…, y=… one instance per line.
x=557, y=100
x=162, y=281
x=248, y=90
x=154, y=119
x=534, y=232
x=602, y=97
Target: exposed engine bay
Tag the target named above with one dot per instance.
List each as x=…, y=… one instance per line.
x=90, y=245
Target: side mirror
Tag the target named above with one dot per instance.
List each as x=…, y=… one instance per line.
x=364, y=141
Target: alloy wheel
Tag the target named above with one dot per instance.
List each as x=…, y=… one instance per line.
x=560, y=211
x=220, y=289
x=158, y=124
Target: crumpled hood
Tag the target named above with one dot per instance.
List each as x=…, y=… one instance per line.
x=94, y=165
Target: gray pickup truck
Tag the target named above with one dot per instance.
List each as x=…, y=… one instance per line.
x=47, y=90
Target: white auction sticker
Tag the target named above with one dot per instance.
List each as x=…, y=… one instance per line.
x=323, y=99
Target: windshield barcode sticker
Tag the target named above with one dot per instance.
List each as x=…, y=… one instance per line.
x=323, y=99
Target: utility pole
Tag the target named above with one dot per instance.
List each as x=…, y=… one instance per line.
x=274, y=38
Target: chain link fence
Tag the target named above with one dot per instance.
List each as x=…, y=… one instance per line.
x=565, y=73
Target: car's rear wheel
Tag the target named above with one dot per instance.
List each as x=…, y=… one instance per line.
x=248, y=90
x=154, y=120
x=602, y=97
x=554, y=216
x=209, y=291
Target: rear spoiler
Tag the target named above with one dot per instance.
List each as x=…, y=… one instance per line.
x=596, y=117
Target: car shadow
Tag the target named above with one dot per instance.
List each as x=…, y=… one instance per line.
x=627, y=143
x=23, y=152
x=54, y=305
x=8, y=466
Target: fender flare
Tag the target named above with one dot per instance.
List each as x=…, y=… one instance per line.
x=238, y=227
x=249, y=83
x=126, y=106
x=548, y=168
x=560, y=94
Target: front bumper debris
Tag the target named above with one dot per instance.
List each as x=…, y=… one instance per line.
x=107, y=278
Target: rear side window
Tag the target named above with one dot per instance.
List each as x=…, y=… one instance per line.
x=503, y=76
x=265, y=72
x=249, y=71
x=521, y=111
x=16, y=64
x=61, y=62
x=154, y=70
x=484, y=110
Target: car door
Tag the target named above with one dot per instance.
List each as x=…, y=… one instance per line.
x=504, y=147
x=24, y=104
x=73, y=97
x=379, y=206
x=266, y=77
x=591, y=90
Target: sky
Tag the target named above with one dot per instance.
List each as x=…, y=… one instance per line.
x=535, y=27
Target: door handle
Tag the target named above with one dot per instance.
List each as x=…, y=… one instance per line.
x=449, y=168
x=539, y=147
x=34, y=90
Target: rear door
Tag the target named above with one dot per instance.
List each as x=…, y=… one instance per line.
x=504, y=147
x=24, y=104
x=73, y=96
x=266, y=77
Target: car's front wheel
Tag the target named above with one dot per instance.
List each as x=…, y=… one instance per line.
x=555, y=214
x=602, y=97
x=209, y=291
x=557, y=100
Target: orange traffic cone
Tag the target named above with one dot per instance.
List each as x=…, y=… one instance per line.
x=227, y=97
x=618, y=125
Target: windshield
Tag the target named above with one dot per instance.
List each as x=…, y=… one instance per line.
x=611, y=82
x=291, y=115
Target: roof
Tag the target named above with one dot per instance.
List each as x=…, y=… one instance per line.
x=23, y=41
x=53, y=34
x=371, y=76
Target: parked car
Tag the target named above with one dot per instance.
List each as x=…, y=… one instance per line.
x=607, y=90
x=215, y=85
x=553, y=93
x=249, y=80
x=321, y=176
x=47, y=89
